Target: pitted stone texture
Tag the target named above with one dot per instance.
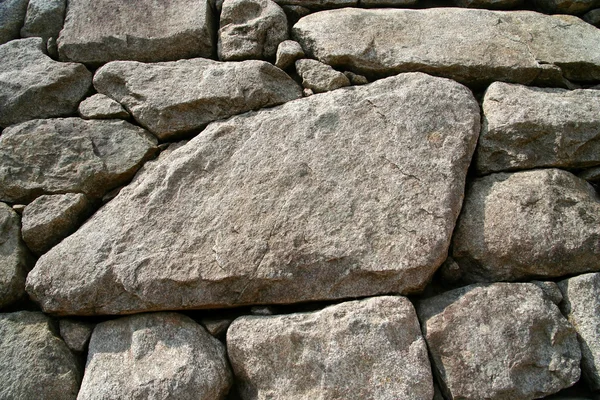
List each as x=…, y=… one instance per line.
x=288, y=52
x=35, y=363
x=520, y=46
x=100, y=106
x=50, y=156
x=96, y=32
x=44, y=18
x=15, y=261
x=349, y=193
x=593, y=17
x=51, y=218
x=320, y=77
x=502, y=341
x=76, y=334
x=175, y=98
x=566, y=6
x=155, y=356
x=368, y=349
x=540, y=223
x=526, y=127
x=12, y=17
x=32, y=85
x=251, y=29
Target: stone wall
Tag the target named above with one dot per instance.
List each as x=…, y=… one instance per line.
x=299, y=199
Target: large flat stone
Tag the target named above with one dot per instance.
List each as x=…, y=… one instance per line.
x=471, y=46
x=367, y=349
x=354, y=192
x=174, y=98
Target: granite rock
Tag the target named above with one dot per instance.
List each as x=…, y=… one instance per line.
x=288, y=52
x=320, y=77
x=76, y=334
x=12, y=17
x=44, y=18
x=100, y=106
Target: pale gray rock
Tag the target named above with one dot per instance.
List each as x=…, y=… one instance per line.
x=12, y=17
x=251, y=30
x=35, y=363
x=356, y=79
x=51, y=156
x=566, y=6
x=593, y=17
x=532, y=224
x=490, y=4
x=367, y=349
x=100, y=106
x=520, y=46
x=15, y=260
x=175, y=98
x=320, y=77
x=527, y=127
x=501, y=341
x=51, y=218
x=288, y=52
x=307, y=92
x=44, y=18
x=19, y=208
x=349, y=193
x=155, y=356
x=76, y=334
x=551, y=290
x=32, y=85
x=96, y=32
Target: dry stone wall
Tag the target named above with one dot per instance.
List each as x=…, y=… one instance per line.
x=299, y=199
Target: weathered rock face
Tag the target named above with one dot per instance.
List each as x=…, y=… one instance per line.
x=288, y=52
x=100, y=106
x=350, y=193
x=44, y=18
x=566, y=6
x=154, y=356
x=14, y=258
x=69, y=155
x=521, y=47
x=320, y=77
x=502, y=341
x=541, y=223
x=527, y=127
x=32, y=85
x=368, y=349
x=35, y=363
x=199, y=91
x=76, y=334
x=12, y=15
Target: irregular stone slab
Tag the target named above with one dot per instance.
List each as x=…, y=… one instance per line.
x=44, y=18
x=566, y=6
x=288, y=52
x=70, y=155
x=251, y=29
x=76, y=334
x=100, y=106
x=51, y=218
x=526, y=127
x=593, y=17
x=502, y=341
x=12, y=16
x=32, y=85
x=320, y=77
x=35, y=363
x=349, y=193
x=520, y=46
x=170, y=99
x=582, y=307
x=368, y=349
x=155, y=356
x=96, y=32
x=541, y=223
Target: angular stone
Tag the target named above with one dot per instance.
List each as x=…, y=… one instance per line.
x=216, y=326
x=519, y=46
x=51, y=218
x=97, y=32
x=251, y=29
x=12, y=16
x=501, y=341
x=356, y=79
x=566, y=6
x=32, y=85
x=154, y=356
x=593, y=17
x=526, y=127
x=288, y=52
x=367, y=349
x=44, y=18
x=350, y=193
x=532, y=224
x=47, y=156
x=35, y=363
x=100, y=106
x=320, y=77
x=76, y=334
x=170, y=99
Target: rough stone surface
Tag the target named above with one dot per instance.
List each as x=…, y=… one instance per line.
x=12, y=16
x=32, y=85
x=471, y=46
x=251, y=29
x=44, y=18
x=582, y=307
x=288, y=52
x=155, y=356
x=593, y=17
x=526, y=127
x=217, y=326
x=183, y=96
x=566, y=6
x=490, y=4
x=48, y=156
x=320, y=77
x=97, y=32
x=502, y=341
x=100, y=106
x=76, y=334
x=356, y=79
x=14, y=258
x=368, y=349
x=540, y=223
x=51, y=218
x=354, y=192
x=294, y=13
x=35, y=363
